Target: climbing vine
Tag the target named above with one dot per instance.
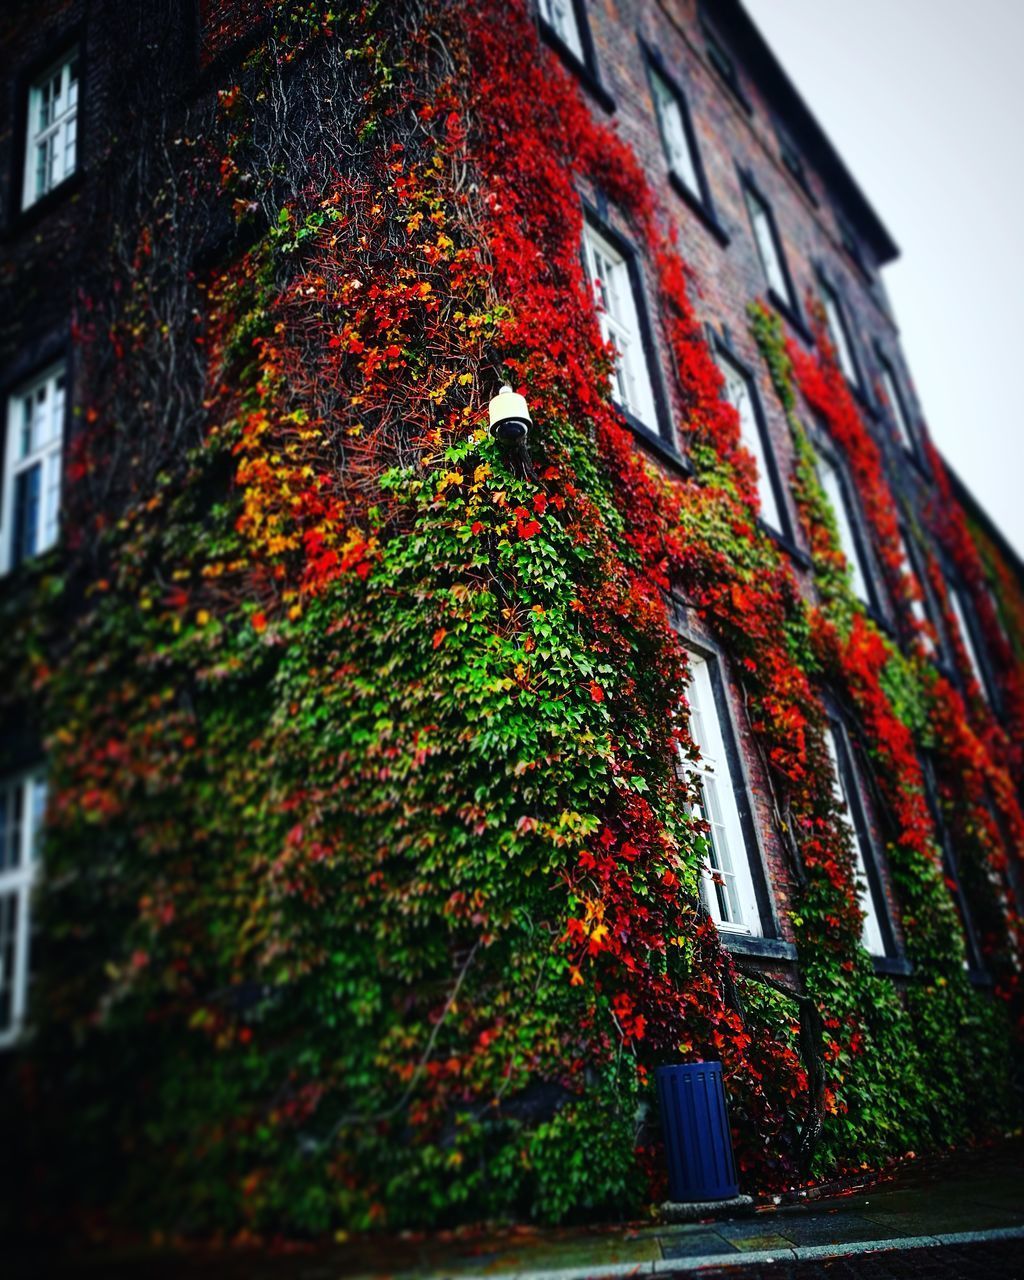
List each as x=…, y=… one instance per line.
x=371, y=891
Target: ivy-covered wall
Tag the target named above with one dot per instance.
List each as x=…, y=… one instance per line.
x=371, y=886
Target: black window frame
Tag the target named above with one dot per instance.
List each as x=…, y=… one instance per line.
x=769, y=942
x=824, y=445
x=701, y=203
x=989, y=687
x=976, y=966
x=912, y=450
x=586, y=69
x=793, y=163
x=828, y=284
x=853, y=248
x=723, y=62
x=932, y=612
x=662, y=441
x=788, y=307
x=892, y=959
x=722, y=346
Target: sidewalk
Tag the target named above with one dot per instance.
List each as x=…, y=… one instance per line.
x=940, y=1210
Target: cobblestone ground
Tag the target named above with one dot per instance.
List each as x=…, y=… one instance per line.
x=1001, y=1260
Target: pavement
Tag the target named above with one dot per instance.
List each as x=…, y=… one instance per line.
x=949, y=1219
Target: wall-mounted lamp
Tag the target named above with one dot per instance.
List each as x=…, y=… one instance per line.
x=510, y=416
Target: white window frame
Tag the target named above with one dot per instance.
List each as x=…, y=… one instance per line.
x=872, y=938
x=766, y=239
x=739, y=392
x=561, y=17
x=51, y=130
x=24, y=453
x=619, y=315
x=25, y=794
x=957, y=606
x=832, y=482
x=835, y=317
x=727, y=881
x=676, y=137
x=896, y=407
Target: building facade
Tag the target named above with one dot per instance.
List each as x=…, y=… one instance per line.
x=380, y=805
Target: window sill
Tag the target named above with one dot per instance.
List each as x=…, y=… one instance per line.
x=791, y=316
x=26, y=575
x=586, y=75
x=893, y=966
x=22, y=220
x=657, y=445
x=746, y=944
x=700, y=207
x=787, y=545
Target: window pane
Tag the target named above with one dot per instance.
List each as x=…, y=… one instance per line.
x=896, y=407
x=965, y=635
x=50, y=144
x=727, y=883
x=738, y=393
x=30, y=505
x=836, y=494
x=619, y=319
x=918, y=607
x=27, y=484
x=837, y=332
x=560, y=15
x=871, y=931
x=767, y=248
x=674, y=135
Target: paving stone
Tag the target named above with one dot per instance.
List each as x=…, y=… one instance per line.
x=757, y=1244
x=701, y=1243
x=832, y=1228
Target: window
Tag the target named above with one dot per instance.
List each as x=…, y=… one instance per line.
x=561, y=17
x=957, y=605
x=844, y=785
x=918, y=606
x=727, y=884
x=22, y=805
x=740, y=394
x=722, y=61
x=30, y=504
x=680, y=149
x=768, y=248
x=793, y=161
x=839, y=333
x=851, y=243
x=897, y=408
x=619, y=315
x=51, y=130
x=974, y=959
x=835, y=491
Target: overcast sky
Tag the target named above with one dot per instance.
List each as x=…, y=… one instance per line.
x=924, y=99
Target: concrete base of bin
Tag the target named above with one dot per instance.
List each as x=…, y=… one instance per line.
x=692, y=1210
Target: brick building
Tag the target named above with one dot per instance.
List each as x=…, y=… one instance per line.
x=761, y=206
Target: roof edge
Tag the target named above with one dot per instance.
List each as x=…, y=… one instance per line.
x=731, y=17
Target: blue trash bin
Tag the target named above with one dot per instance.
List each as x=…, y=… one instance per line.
x=695, y=1122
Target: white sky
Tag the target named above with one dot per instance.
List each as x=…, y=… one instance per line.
x=924, y=100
